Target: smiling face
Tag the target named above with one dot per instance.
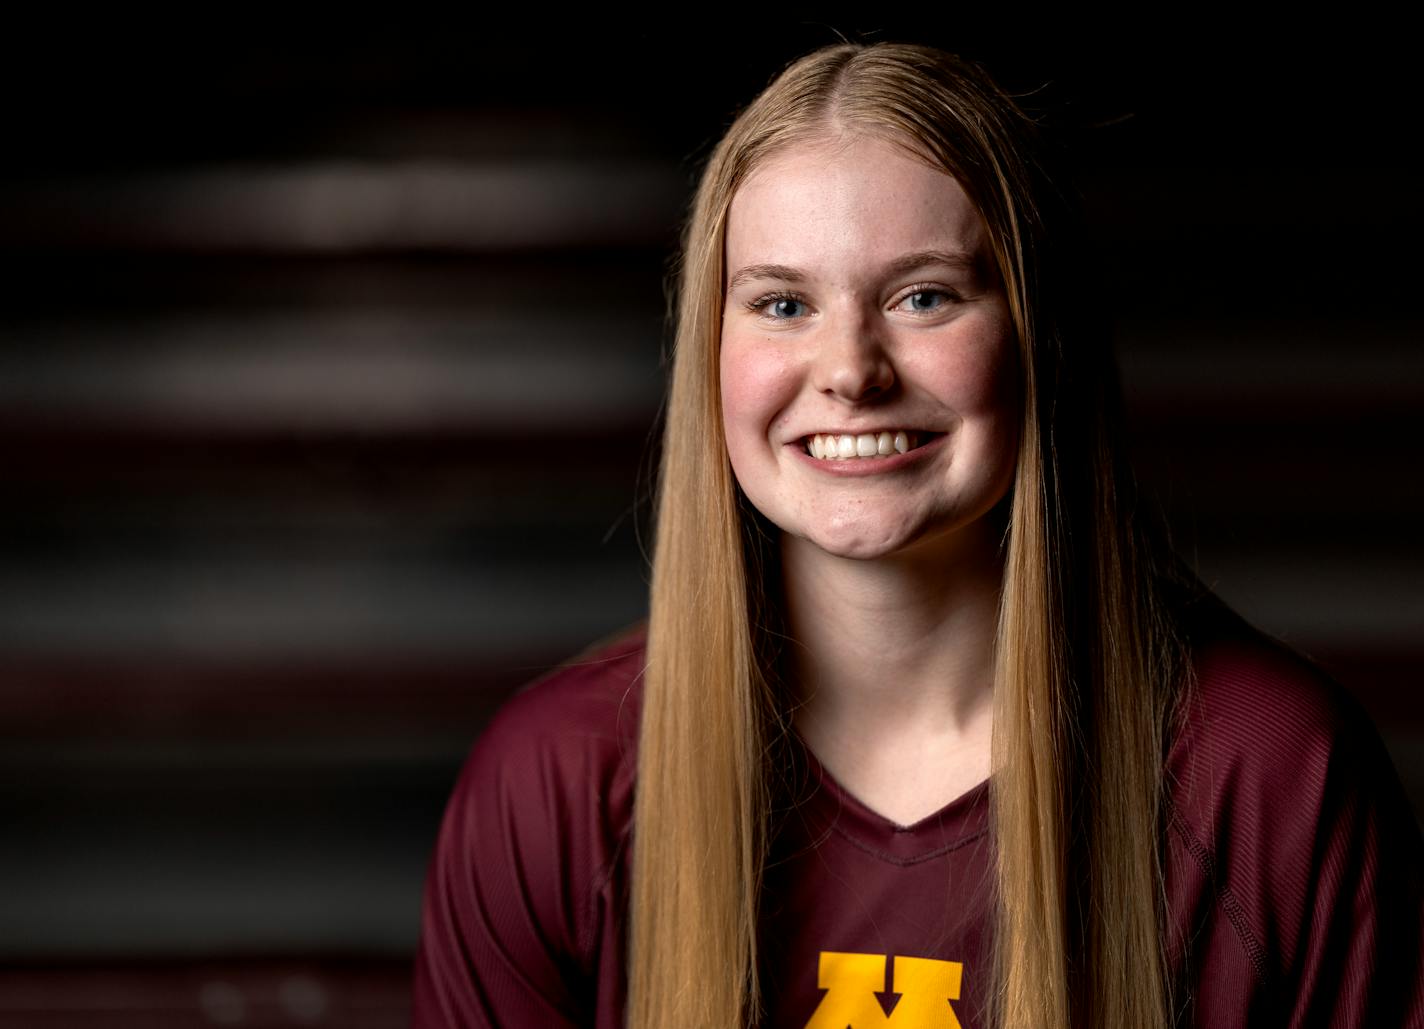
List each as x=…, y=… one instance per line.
x=865, y=314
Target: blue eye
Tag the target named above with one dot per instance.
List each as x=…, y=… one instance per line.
x=927, y=300
x=782, y=307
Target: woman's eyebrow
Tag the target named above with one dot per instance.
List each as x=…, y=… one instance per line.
x=962, y=259
x=765, y=271
x=906, y=263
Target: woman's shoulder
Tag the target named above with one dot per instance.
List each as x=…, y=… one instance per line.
x=1255, y=714
x=573, y=730
x=566, y=743
x=591, y=698
x=1266, y=742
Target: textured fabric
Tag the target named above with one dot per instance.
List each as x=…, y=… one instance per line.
x=1294, y=869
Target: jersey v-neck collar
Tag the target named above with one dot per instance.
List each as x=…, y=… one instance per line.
x=823, y=807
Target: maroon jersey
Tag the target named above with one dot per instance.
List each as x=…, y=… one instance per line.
x=1294, y=868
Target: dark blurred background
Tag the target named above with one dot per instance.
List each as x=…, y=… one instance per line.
x=328, y=367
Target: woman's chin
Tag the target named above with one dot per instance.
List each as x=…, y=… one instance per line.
x=918, y=543
x=856, y=544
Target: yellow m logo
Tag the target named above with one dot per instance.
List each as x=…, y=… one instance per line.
x=857, y=996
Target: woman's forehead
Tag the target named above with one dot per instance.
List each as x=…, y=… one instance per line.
x=840, y=198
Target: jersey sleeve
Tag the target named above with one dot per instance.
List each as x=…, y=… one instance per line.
x=522, y=922
x=1300, y=884
x=494, y=947
x=1361, y=938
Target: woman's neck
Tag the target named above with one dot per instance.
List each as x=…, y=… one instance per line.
x=895, y=657
x=913, y=633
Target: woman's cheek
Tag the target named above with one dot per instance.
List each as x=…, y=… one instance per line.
x=758, y=385
x=974, y=374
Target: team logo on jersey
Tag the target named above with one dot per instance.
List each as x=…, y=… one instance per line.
x=862, y=992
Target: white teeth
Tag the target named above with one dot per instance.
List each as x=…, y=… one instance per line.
x=830, y=447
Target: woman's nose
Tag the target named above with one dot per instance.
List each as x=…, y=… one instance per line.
x=852, y=363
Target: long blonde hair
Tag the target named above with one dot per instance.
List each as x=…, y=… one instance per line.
x=1086, y=662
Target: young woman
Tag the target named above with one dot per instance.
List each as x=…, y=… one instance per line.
x=926, y=728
